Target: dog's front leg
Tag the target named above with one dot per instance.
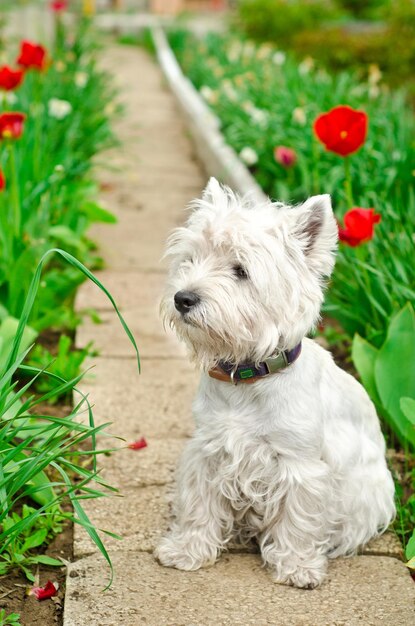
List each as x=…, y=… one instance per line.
x=295, y=543
x=203, y=519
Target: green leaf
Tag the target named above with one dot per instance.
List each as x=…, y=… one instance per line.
x=364, y=358
x=47, y=560
x=96, y=213
x=410, y=550
x=408, y=408
x=42, y=494
x=66, y=236
x=8, y=329
x=395, y=370
x=29, y=575
x=35, y=540
x=31, y=295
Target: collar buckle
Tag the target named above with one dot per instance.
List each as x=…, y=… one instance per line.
x=275, y=363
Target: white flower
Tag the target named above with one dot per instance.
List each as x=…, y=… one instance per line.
x=306, y=66
x=374, y=74
x=218, y=71
x=208, y=94
x=374, y=91
x=60, y=66
x=264, y=51
x=259, y=116
x=248, y=49
x=248, y=155
x=299, y=116
x=59, y=108
x=81, y=79
x=9, y=97
x=229, y=90
x=279, y=57
x=234, y=51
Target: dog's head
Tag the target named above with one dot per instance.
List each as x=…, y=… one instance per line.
x=246, y=279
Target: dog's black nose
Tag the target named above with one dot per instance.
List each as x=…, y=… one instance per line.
x=185, y=300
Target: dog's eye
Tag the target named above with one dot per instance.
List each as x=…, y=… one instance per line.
x=240, y=271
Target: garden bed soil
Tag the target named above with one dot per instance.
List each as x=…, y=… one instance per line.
x=14, y=586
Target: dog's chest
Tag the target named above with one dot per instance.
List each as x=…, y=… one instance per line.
x=242, y=445
x=247, y=474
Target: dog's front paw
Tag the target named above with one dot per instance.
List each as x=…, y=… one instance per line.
x=304, y=576
x=184, y=553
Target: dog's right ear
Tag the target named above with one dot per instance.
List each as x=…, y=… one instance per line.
x=317, y=227
x=212, y=190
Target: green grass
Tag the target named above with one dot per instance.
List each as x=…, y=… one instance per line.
x=47, y=460
x=49, y=198
x=12, y=619
x=42, y=457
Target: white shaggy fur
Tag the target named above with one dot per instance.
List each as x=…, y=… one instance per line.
x=296, y=459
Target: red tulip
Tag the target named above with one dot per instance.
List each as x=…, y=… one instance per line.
x=11, y=125
x=10, y=79
x=46, y=592
x=359, y=226
x=287, y=157
x=32, y=55
x=137, y=445
x=2, y=181
x=342, y=130
x=59, y=5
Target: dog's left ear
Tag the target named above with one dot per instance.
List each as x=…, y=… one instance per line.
x=317, y=227
x=212, y=190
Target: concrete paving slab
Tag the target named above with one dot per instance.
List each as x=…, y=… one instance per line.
x=157, y=202
x=154, y=465
x=156, y=403
x=237, y=591
x=129, y=290
x=387, y=544
x=138, y=294
x=140, y=516
x=127, y=255
x=138, y=241
x=111, y=341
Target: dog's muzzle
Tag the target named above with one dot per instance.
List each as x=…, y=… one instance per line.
x=184, y=301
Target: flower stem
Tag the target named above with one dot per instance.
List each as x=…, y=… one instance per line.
x=348, y=182
x=38, y=89
x=362, y=256
x=315, y=176
x=14, y=189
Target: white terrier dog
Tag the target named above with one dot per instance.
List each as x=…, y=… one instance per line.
x=295, y=459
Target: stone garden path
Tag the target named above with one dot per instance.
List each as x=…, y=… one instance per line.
x=153, y=176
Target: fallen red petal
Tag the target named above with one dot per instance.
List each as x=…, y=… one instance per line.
x=137, y=445
x=46, y=592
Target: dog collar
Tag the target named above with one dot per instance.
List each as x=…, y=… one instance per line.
x=249, y=372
